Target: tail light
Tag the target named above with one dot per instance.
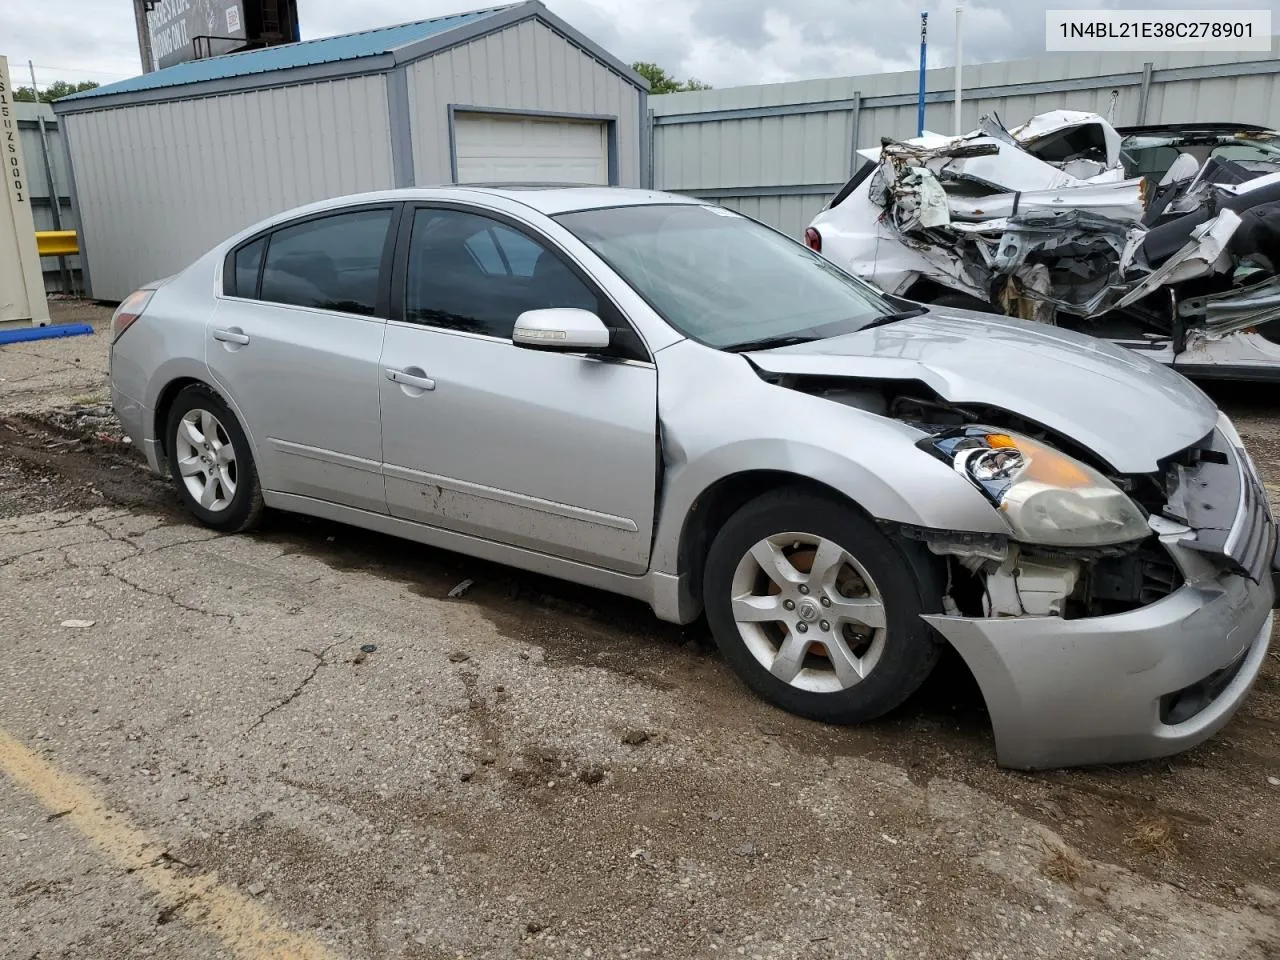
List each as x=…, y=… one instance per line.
x=813, y=240
x=128, y=311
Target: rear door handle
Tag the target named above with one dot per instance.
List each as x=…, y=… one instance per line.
x=411, y=379
x=231, y=336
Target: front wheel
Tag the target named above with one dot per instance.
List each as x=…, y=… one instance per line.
x=210, y=461
x=817, y=610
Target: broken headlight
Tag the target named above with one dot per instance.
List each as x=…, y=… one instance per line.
x=1045, y=496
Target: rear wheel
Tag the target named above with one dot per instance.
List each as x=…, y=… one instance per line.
x=210, y=462
x=817, y=610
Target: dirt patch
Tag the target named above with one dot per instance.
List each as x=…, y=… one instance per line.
x=1201, y=821
x=74, y=458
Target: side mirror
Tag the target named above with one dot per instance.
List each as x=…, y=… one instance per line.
x=561, y=329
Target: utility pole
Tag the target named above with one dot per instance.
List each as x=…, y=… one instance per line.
x=924, y=46
x=959, y=130
x=144, y=34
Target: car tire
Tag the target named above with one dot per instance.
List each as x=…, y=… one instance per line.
x=962, y=301
x=814, y=660
x=211, y=463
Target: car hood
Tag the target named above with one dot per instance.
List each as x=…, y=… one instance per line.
x=1127, y=409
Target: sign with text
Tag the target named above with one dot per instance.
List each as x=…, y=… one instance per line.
x=1150, y=31
x=22, y=296
x=175, y=24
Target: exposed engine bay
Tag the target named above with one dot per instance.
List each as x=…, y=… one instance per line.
x=1204, y=499
x=1165, y=241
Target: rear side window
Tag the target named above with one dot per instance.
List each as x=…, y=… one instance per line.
x=855, y=181
x=248, y=263
x=333, y=263
x=1086, y=142
x=1247, y=152
x=1150, y=162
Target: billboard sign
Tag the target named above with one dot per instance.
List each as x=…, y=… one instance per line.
x=175, y=24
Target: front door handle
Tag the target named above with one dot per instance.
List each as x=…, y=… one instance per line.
x=411, y=378
x=234, y=335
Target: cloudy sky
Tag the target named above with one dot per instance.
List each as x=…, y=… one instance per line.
x=723, y=42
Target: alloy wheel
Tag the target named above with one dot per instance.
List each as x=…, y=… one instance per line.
x=206, y=460
x=808, y=612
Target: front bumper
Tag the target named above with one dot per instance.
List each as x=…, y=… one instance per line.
x=1098, y=690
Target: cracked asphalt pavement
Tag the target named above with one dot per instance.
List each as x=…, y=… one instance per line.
x=295, y=744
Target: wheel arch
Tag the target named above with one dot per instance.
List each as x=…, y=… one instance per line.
x=723, y=498
x=165, y=399
x=694, y=512
x=164, y=404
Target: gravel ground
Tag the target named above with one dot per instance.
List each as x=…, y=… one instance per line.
x=212, y=742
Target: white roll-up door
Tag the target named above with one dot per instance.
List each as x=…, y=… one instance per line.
x=495, y=148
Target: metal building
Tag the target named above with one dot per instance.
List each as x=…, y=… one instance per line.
x=42, y=192
x=779, y=151
x=166, y=165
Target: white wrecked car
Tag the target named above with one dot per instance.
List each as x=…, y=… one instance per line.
x=1161, y=241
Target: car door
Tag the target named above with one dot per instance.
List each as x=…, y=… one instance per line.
x=551, y=452
x=295, y=343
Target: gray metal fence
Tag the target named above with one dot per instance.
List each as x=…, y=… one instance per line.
x=778, y=152
x=41, y=194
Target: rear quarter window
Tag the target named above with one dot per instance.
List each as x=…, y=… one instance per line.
x=246, y=265
x=863, y=172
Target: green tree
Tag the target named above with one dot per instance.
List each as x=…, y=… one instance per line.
x=55, y=90
x=662, y=82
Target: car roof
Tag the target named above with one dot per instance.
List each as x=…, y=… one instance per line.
x=557, y=198
x=1192, y=129
x=547, y=198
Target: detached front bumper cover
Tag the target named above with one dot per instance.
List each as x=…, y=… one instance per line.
x=1074, y=692
x=1158, y=679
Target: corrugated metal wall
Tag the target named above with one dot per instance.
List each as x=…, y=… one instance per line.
x=160, y=184
x=41, y=204
x=527, y=67
x=778, y=152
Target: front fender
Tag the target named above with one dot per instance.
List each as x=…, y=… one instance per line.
x=919, y=491
x=742, y=424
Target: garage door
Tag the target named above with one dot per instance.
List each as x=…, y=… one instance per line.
x=503, y=149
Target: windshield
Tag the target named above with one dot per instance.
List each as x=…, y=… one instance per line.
x=724, y=280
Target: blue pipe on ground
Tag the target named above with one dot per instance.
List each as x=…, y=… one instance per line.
x=44, y=333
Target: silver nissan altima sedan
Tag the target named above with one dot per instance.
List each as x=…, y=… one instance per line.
x=658, y=397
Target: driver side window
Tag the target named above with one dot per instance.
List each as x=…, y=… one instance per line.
x=476, y=275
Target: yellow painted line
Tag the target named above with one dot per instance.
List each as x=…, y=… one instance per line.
x=239, y=922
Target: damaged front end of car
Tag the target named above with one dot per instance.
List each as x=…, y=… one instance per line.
x=1055, y=222
x=1125, y=616
x=1113, y=598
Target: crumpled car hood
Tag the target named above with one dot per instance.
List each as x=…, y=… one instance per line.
x=1128, y=410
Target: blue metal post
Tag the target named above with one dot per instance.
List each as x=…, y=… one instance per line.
x=924, y=44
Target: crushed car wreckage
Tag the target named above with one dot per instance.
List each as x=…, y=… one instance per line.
x=1162, y=239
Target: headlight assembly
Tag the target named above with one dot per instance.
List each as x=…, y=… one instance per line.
x=1045, y=496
